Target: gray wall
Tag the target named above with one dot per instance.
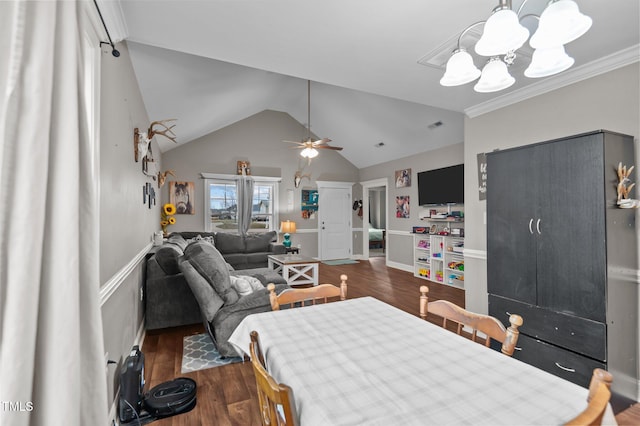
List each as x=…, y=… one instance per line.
x=399, y=237
x=257, y=139
x=608, y=101
x=126, y=224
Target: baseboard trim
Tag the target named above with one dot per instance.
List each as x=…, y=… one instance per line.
x=401, y=266
x=112, y=285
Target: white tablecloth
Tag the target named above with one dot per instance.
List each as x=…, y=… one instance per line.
x=364, y=362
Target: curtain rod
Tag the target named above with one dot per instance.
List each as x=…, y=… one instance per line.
x=114, y=51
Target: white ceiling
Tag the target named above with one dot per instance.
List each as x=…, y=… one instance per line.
x=212, y=63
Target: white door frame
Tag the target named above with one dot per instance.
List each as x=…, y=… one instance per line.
x=375, y=183
x=329, y=184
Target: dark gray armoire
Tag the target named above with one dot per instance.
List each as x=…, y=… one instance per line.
x=564, y=256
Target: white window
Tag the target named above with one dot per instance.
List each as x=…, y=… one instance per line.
x=221, y=203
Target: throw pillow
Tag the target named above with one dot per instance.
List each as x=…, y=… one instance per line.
x=210, y=264
x=245, y=284
x=207, y=298
x=199, y=237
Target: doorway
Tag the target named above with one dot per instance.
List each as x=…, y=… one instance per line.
x=374, y=214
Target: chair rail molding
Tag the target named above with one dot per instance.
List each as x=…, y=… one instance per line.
x=112, y=285
x=475, y=254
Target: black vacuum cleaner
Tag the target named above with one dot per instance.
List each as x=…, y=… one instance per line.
x=167, y=399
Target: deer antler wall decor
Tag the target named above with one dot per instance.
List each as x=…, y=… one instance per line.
x=162, y=177
x=141, y=140
x=297, y=178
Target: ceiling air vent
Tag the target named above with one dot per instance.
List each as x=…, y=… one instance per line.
x=434, y=125
x=438, y=57
x=379, y=145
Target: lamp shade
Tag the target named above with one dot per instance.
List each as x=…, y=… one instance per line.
x=460, y=69
x=495, y=77
x=560, y=23
x=288, y=227
x=502, y=33
x=309, y=152
x=546, y=62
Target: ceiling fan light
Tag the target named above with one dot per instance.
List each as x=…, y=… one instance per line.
x=460, y=69
x=309, y=152
x=560, y=23
x=546, y=62
x=495, y=77
x=502, y=33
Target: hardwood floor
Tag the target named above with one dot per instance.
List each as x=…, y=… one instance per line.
x=227, y=394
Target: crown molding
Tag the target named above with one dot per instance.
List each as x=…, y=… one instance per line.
x=608, y=63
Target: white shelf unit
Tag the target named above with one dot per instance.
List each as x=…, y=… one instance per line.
x=439, y=258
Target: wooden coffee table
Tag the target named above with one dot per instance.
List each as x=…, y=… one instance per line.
x=297, y=270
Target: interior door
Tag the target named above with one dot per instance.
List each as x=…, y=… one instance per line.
x=334, y=223
x=511, y=243
x=572, y=234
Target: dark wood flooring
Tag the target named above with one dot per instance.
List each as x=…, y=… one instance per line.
x=227, y=394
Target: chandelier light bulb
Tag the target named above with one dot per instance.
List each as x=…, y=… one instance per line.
x=502, y=33
x=546, y=62
x=460, y=69
x=495, y=77
x=560, y=23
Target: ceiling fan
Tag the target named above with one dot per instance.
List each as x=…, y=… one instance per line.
x=308, y=146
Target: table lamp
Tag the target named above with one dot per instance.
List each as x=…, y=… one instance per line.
x=288, y=228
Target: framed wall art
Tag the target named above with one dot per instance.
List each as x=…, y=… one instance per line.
x=182, y=195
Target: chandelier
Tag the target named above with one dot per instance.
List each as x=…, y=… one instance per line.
x=560, y=23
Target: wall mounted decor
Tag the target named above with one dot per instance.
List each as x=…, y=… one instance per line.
x=182, y=195
x=142, y=140
x=624, y=187
x=309, y=203
x=148, y=195
x=402, y=206
x=162, y=177
x=244, y=168
x=403, y=178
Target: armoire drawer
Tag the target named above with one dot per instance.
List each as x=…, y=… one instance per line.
x=577, y=334
x=560, y=362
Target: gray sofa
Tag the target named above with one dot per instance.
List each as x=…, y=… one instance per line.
x=169, y=301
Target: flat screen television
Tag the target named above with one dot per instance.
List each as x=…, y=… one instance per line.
x=441, y=186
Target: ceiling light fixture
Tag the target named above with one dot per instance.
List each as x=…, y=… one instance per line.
x=560, y=23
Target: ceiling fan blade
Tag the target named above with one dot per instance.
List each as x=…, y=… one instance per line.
x=298, y=142
x=335, y=148
x=322, y=141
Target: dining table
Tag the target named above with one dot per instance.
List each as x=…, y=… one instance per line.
x=364, y=362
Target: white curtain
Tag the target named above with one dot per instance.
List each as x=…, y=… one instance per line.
x=51, y=343
x=244, y=188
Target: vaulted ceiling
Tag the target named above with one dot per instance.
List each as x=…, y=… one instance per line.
x=375, y=65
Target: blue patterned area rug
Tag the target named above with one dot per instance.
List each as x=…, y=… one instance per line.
x=199, y=353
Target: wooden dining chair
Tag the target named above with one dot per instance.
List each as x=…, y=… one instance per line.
x=599, y=395
x=313, y=294
x=275, y=399
x=491, y=327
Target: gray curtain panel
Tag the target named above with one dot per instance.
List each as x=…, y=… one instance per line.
x=244, y=187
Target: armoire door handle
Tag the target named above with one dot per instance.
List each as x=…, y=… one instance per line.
x=530, y=224
x=538, y=227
